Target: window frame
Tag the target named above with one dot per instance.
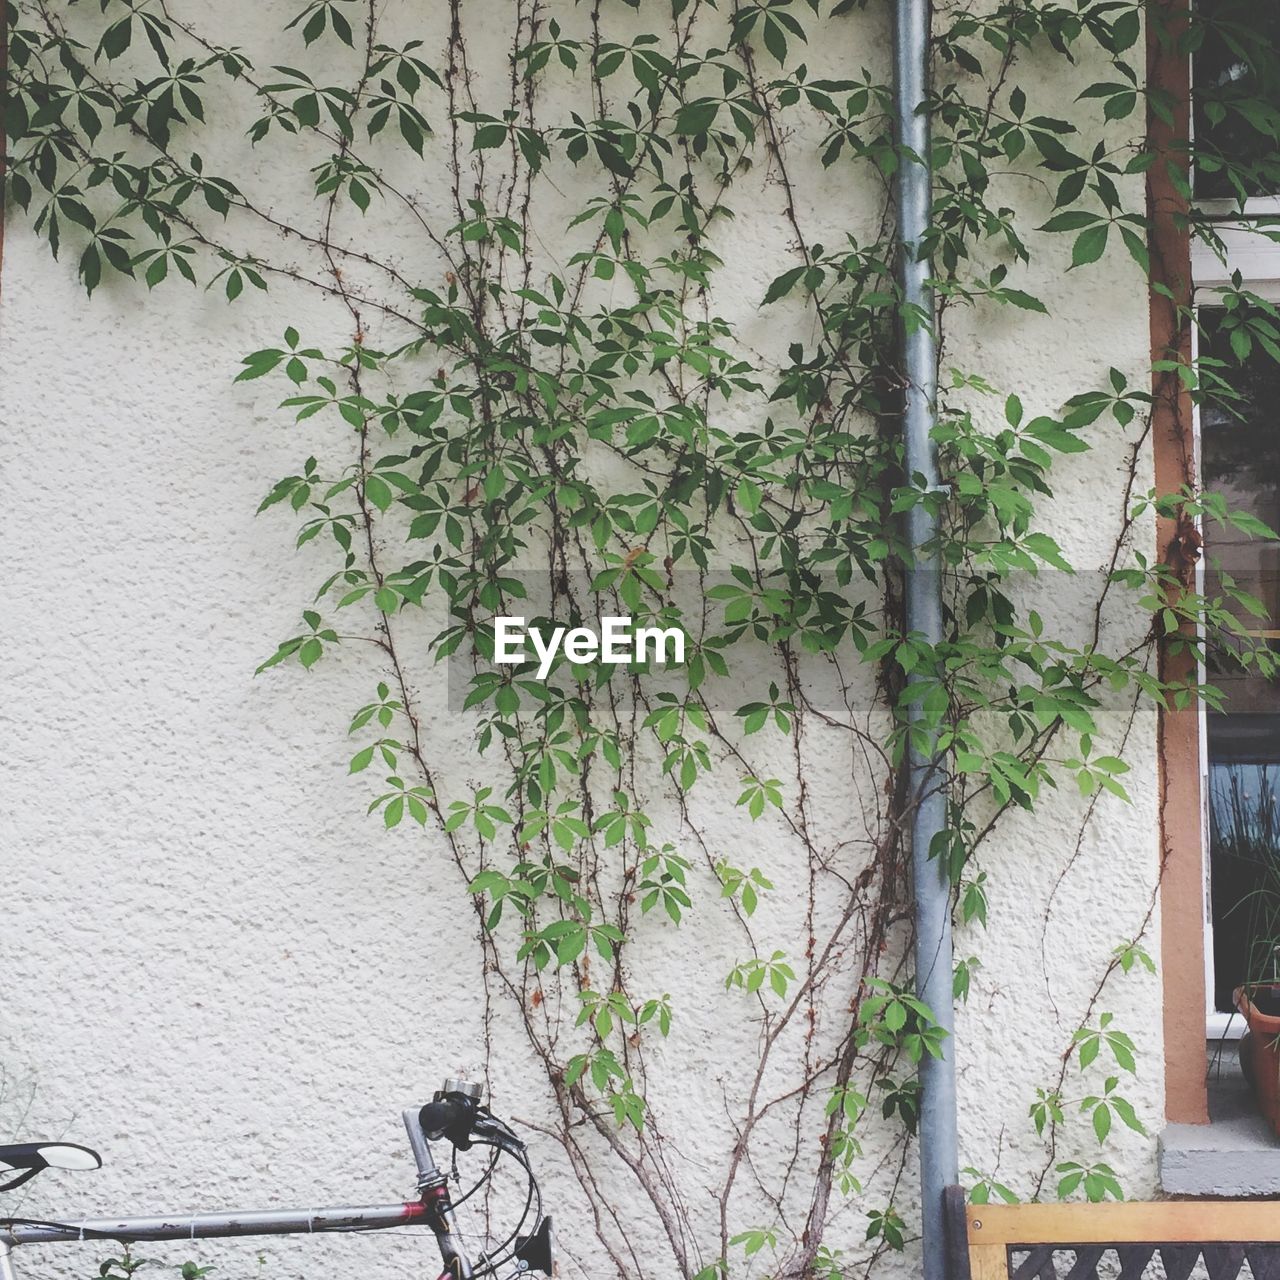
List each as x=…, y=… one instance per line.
x=1258, y=262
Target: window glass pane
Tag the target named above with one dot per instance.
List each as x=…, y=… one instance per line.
x=1240, y=459
x=1237, y=97
x=1244, y=842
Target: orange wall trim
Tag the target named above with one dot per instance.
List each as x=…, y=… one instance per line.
x=1182, y=904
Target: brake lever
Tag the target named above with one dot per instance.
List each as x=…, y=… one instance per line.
x=487, y=1127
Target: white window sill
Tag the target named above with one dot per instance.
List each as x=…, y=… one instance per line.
x=1223, y=1026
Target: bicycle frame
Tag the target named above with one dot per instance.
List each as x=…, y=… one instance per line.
x=432, y=1208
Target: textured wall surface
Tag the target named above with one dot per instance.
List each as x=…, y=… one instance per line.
x=215, y=967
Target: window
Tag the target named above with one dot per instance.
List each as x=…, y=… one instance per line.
x=1240, y=458
x=1237, y=99
x=1236, y=113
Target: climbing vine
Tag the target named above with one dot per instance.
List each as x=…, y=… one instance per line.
x=544, y=403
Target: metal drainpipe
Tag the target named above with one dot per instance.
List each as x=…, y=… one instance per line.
x=939, y=1162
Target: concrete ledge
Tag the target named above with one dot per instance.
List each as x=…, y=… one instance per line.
x=1236, y=1154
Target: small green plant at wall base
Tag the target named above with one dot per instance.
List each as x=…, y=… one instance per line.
x=568, y=437
x=125, y=1266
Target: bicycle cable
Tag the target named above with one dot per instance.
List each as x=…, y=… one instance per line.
x=504, y=1252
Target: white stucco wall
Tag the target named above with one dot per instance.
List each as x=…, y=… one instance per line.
x=216, y=968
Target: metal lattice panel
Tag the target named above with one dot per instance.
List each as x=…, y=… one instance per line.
x=1145, y=1262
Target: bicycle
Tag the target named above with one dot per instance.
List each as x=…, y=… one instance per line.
x=456, y=1114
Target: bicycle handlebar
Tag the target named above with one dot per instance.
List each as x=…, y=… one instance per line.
x=450, y=1116
x=456, y=1114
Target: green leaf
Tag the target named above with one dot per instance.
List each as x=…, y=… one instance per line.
x=115, y=39
x=378, y=492
x=1089, y=245
x=1124, y=1109
x=775, y=39
x=1071, y=220
x=783, y=285
x=90, y=268
x=749, y=496
x=1102, y=1121
x=1251, y=525
x=489, y=136
x=697, y=116
x=1043, y=546
x=1024, y=300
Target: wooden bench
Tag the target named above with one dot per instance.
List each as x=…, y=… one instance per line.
x=1071, y=1241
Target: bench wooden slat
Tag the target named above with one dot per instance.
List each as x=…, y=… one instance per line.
x=1158, y=1222
x=988, y=1262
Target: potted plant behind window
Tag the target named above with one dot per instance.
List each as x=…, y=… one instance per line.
x=1248, y=821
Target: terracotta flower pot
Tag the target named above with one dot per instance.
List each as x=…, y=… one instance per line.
x=1264, y=1052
